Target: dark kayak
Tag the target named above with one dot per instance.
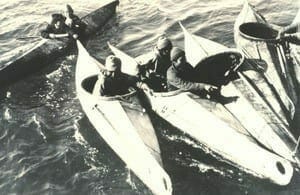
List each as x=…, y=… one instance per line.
x=48, y=50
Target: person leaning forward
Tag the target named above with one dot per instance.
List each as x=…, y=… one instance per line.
x=153, y=66
x=58, y=29
x=181, y=75
x=290, y=33
x=73, y=21
x=112, y=81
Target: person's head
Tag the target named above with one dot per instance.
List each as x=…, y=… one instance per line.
x=164, y=46
x=112, y=65
x=57, y=20
x=234, y=60
x=69, y=11
x=178, y=58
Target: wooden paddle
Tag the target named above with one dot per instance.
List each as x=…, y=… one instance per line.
x=28, y=38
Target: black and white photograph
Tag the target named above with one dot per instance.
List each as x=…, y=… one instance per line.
x=150, y=97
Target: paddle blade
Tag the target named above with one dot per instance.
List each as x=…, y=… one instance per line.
x=129, y=65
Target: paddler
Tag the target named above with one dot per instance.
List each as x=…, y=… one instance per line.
x=154, y=65
x=73, y=21
x=58, y=29
x=112, y=81
x=181, y=75
x=290, y=33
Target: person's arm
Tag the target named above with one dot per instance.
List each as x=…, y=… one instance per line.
x=99, y=86
x=135, y=82
x=77, y=22
x=290, y=28
x=48, y=33
x=69, y=32
x=180, y=83
x=45, y=33
x=145, y=62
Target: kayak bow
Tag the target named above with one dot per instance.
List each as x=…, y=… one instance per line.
x=260, y=45
x=211, y=124
x=250, y=109
x=123, y=123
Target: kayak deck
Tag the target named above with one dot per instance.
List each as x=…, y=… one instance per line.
x=261, y=47
x=125, y=126
x=211, y=124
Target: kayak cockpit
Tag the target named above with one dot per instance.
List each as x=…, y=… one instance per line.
x=88, y=85
x=216, y=69
x=257, y=31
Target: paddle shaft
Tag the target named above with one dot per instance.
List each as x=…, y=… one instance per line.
x=26, y=38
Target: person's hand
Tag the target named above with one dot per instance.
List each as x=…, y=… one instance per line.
x=146, y=88
x=75, y=36
x=211, y=88
x=69, y=22
x=52, y=36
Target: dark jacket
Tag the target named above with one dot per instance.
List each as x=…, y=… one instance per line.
x=153, y=62
x=118, y=85
x=183, y=80
x=77, y=25
x=51, y=28
x=153, y=68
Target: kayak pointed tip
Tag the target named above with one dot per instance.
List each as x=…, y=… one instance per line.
x=80, y=47
x=246, y=3
x=111, y=47
x=180, y=24
x=182, y=27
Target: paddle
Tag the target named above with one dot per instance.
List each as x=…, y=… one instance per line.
x=28, y=38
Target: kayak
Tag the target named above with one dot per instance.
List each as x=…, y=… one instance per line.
x=46, y=50
x=295, y=53
x=211, y=124
x=249, y=108
x=257, y=39
x=123, y=123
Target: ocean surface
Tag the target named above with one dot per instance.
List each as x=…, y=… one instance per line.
x=47, y=145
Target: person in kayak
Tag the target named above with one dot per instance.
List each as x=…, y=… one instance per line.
x=181, y=75
x=290, y=33
x=73, y=21
x=58, y=29
x=111, y=81
x=154, y=65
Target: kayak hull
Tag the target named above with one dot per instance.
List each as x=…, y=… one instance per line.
x=268, y=58
x=46, y=50
x=124, y=124
x=249, y=107
x=211, y=124
x=295, y=53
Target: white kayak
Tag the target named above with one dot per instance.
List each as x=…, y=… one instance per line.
x=211, y=124
x=250, y=108
x=295, y=52
x=123, y=123
x=257, y=39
